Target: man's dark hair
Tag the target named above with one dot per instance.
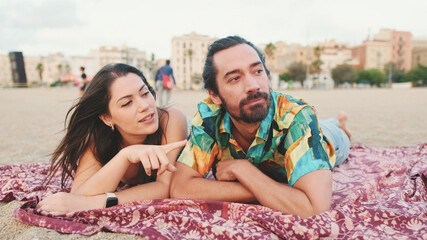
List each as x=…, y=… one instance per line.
x=168, y=62
x=209, y=70
x=82, y=68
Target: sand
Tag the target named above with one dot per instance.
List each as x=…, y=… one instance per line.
x=31, y=123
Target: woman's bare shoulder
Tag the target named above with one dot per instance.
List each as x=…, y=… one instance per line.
x=174, y=122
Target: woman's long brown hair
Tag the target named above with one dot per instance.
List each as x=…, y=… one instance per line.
x=85, y=129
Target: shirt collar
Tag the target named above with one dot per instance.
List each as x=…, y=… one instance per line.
x=209, y=109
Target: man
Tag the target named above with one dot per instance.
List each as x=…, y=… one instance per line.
x=260, y=145
x=165, y=71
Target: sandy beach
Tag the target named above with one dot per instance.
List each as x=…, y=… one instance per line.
x=32, y=120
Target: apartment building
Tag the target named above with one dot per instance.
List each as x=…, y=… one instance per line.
x=112, y=54
x=188, y=58
x=5, y=71
x=401, y=46
x=372, y=54
x=419, y=52
x=333, y=54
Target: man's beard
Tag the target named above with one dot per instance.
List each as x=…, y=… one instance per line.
x=257, y=112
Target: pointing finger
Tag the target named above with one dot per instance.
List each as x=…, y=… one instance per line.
x=171, y=146
x=163, y=160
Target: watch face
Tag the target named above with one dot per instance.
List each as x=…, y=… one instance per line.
x=111, y=201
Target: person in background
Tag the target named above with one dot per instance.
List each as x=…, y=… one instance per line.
x=162, y=73
x=84, y=81
x=115, y=133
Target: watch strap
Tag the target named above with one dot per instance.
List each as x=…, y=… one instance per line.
x=112, y=200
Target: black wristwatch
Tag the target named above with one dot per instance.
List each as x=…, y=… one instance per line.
x=111, y=200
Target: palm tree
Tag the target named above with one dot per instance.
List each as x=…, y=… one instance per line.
x=315, y=65
x=40, y=69
x=190, y=56
x=269, y=52
x=67, y=68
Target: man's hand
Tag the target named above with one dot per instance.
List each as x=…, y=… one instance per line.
x=225, y=169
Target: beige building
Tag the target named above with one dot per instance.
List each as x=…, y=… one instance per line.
x=188, y=58
x=419, y=57
x=286, y=54
x=111, y=54
x=419, y=52
x=54, y=66
x=419, y=43
x=5, y=71
x=372, y=54
x=333, y=54
x=401, y=46
x=88, y=62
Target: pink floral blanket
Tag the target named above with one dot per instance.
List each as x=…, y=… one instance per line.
x=379, y=193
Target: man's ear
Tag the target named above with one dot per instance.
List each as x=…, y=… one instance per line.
x=106, y=119
x=214, y=97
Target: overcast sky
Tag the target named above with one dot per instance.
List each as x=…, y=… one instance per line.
x=74, y=27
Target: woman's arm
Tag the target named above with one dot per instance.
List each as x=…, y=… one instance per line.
x=92, y=180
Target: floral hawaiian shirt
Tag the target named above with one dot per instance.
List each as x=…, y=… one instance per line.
x=289, y=142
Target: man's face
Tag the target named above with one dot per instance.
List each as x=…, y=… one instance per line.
x=243, y=84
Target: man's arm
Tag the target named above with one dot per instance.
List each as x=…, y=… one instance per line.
x=157, y=76
x=310, y=195
x=187, y=183
x=173, y=77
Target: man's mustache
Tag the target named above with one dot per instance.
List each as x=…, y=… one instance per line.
x=254, y=96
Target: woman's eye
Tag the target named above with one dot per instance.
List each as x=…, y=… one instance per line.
x=259, y=71
x=145, y=93
x=126, y=104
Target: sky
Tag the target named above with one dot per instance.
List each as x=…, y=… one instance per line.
x=74, y=27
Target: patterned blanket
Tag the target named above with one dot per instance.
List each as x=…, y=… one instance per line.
x=379, y=193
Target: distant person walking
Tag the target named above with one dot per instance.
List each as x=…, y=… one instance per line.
x=164, y=84
x=84, y=81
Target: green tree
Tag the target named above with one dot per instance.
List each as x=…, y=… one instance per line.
x=317, y=63
x=59, y=66
x=417, y=75
x=397, y=75
x=40, y=69
x=285, y=77
x=344, y=74
x=189, y=53
x=372, y=76
x=269, y=51
x=196, y=80
x=297, y=71
x=315, y=66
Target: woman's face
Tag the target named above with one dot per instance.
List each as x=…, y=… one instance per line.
x=132, y=109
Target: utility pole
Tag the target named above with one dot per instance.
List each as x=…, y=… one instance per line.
x=390, y=75
x=307, y=71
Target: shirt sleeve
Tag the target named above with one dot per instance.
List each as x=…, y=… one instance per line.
x=305, y=149
x=173, y=77
x=157, y=76
x=201, y=149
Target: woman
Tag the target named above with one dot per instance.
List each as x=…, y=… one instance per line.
x=116, y=133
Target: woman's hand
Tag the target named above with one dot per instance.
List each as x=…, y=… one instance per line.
x=63, y=203
x=153, y=156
